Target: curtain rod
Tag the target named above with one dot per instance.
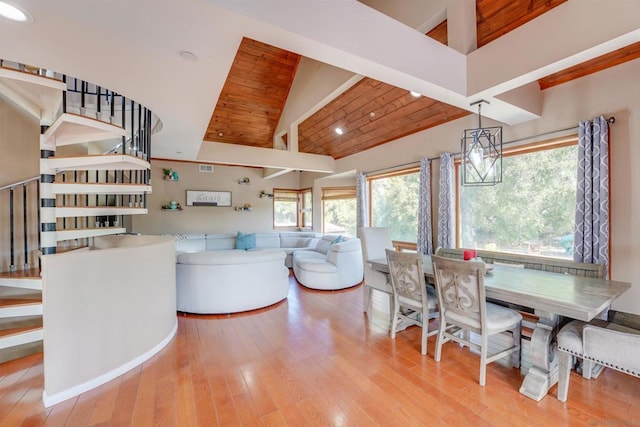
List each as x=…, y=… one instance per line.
x=611, y=120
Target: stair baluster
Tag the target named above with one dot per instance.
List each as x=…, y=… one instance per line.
x=12, y=263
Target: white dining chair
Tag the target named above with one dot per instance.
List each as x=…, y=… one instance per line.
x=464, y=310
x=411, y=303
x=374, y=240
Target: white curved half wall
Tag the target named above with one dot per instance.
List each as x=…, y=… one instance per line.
x=106, y=311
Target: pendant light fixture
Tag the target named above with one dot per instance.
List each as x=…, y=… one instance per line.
x=481, y=153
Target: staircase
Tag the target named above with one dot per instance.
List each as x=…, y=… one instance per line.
x=94, y=173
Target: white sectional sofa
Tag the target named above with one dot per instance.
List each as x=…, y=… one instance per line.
x=212, y=276
x=230, y=281
x=339, y=267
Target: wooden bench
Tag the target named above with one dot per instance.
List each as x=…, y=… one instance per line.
x=532, y=262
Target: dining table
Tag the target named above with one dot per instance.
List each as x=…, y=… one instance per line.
x=552, y=296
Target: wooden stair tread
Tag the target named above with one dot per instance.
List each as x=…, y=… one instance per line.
x=17, y=302
x=31, y=273
x=16, y=331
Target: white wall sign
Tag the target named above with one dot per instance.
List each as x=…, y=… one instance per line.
x=208, y=198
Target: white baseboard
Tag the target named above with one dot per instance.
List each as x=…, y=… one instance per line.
x=108, y=376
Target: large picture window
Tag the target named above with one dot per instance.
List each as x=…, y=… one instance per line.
x=394, y=204
x=339, y=214
x=531, y=212
x=292, y=208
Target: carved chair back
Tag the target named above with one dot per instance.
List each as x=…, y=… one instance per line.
x=460, y=289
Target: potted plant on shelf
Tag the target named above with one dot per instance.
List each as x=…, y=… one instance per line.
x=170, y=174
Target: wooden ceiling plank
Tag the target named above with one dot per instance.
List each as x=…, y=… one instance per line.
x=600, y=63
x=376, y=96
x=497, y=17
x=333, y=113
x=355, y=91
x=439, y=33
x=387, y=134
x=253, y=97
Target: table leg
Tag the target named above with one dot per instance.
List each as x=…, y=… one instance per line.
x=544, y=372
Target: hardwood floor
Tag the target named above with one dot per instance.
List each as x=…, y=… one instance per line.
x=314, y=359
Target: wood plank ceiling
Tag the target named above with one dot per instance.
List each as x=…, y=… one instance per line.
x=253, y=97
x=370, y=113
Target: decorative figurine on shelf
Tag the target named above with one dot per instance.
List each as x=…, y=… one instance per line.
x=244, y=180
x=172, y=205
x=264, y=194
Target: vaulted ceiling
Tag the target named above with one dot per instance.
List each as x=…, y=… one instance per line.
x=253, y=96
x=374, y=51
x=370, y=112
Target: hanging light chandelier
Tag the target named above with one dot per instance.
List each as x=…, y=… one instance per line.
x=481, y=153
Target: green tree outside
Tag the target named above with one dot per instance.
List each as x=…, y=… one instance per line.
x=394, y=204
x=530, y=211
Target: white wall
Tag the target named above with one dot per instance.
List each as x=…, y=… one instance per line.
x=313, y=82
x=19, y=138
x=200, y=219
x=106, y=310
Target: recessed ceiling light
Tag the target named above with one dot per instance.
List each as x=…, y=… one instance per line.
x=339, y=131
x=220, y=134
x=10, y=11
x=415, y=94
x=189, y=56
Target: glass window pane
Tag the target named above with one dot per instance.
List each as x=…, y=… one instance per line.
x=285, y=214
x=530, y=212
x=394, y=204
x=307, y=207
x=339, y=216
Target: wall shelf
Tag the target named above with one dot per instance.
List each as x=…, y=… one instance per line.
x=168, y=207
x=243, y=208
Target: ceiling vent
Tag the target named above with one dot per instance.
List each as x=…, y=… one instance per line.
x=205, y=168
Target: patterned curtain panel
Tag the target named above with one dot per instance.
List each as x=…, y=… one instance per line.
x=446, y=207
x=361, y=199
x=591, y=240
x=425, y=234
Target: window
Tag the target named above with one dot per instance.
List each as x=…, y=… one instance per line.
x=307, y=208
x=394, y=204
x=292, y=208
x=339, y=214
x=531, y=211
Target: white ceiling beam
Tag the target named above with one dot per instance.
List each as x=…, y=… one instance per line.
x=350, y=35
x=550, y=43
x=243, y=155
x=268, y=173
x=461, y=25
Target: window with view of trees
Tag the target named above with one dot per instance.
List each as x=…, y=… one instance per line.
x=339, y=213
x=532, y=211
x=394, y=203
x=292, y=208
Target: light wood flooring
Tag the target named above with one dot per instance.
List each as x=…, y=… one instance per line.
x=314, y=359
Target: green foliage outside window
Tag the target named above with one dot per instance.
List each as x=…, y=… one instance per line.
x=285, y=213
x=340, y=216
x=531, y=211
x=394, y=204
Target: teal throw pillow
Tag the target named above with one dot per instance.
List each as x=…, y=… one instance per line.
x=337, y=240
x=245, y=241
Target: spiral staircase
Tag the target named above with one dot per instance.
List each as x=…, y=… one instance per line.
x=94, y=174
